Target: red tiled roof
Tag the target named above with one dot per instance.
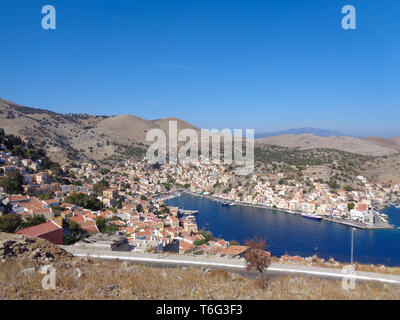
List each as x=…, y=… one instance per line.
x=18, y=198
x=362, y=207
x=88, y=226
x=234, y=250
x=40, y=229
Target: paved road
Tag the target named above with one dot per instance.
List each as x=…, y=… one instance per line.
x=237, y=265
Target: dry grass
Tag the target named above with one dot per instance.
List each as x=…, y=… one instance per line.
x=377, y=268
x=358, y=267
x=111, y=280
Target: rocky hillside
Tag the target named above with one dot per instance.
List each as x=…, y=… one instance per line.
x=348, y=144
x=392, y=143
x=15, y=246
x=81, y=136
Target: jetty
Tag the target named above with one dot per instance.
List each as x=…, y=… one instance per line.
x=166, y=196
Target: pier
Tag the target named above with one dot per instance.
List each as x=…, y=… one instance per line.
x=166, y=196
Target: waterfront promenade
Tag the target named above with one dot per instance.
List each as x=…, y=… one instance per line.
x=378, y=225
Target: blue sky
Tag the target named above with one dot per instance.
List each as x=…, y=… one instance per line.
x=267, y=65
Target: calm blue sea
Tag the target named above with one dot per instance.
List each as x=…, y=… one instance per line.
x=295, y=235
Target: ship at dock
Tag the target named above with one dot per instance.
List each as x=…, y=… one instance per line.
x=311, y=216
x=188, y=212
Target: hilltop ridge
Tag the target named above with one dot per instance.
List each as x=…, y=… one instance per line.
x=113, y=139
x=82, y=137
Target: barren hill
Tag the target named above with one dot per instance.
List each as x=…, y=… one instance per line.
x=310, y=141
x=392, y=143
x=81, y=136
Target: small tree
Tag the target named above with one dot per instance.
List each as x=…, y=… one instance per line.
x=101, y=223
x=12, y=182
x=258, y=259
x=10, y=223
x=34, y=220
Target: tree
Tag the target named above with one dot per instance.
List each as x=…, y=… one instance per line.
x=350, y=206
x=12, y=182
x=34, y=220
x=333, y=184
x=10, y=223
x=200, y=242
x=101, y=223
x=206, y=234
x=104, y=228
x=100, y=186
x=257, y=259
x=165, y=210
x=85, y=201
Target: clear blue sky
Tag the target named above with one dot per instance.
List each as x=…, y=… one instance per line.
x=267, y=65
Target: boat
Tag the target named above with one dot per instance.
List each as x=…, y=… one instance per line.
x=225, y=203
x=188, y=212
x=311, y=216
x=232, y=204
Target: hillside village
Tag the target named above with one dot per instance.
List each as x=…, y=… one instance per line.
x=68, y=204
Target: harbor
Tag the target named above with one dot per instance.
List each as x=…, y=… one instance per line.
x=295, y=235
x=379, y=222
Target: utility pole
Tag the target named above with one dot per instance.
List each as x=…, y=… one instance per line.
x=352, y=244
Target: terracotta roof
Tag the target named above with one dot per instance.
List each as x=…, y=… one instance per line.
x=234, y=250
x=41, y=210
x=88, y=226
x=185, y=246
x=40, y=229
x=117, y=223
x=18, y=197
x=362, y=207
x=51, y=201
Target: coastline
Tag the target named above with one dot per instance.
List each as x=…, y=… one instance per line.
x=353, y=224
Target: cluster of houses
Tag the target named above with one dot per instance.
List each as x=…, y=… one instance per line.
x=203, y=178
x=152, y=226
x=147, y=223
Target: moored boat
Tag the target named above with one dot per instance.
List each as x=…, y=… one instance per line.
x=311, y=216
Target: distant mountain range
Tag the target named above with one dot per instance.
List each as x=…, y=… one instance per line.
x=315, y=131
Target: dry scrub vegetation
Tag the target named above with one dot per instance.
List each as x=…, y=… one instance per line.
x=117, y=280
